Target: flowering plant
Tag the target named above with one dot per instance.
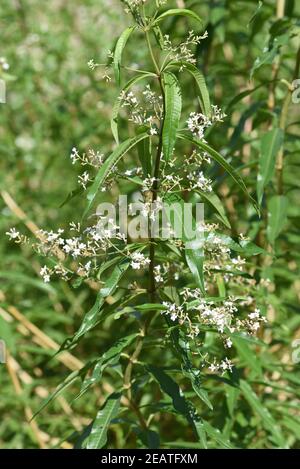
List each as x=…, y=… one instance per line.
x=193, y=300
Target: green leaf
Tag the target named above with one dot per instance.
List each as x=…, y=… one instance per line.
x=71, y=378
x=118, y=102
x=145, y=157
x=194, y=254
x=172, y=113
x=121, y=43
x=249, y=356
x=93, y=316
x=195, y=259
x=112, y=355
x=256, y=12
x=177, y=12
x=216, y=203
x=200, y=81
x=71, y=195
x=216, y=435
x=270, y=146
x=221, y=160
x=149, y=438
x=200, y=392
x=277, y=215
x=159, y=36
x=180, y=404
x=151, y=307
x=268, y=422
x=113, y=159
x=171, y=388
x=265, y=58
x=98, y=436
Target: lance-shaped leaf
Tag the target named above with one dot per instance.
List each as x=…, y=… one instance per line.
x=177, y=12
x=216, y=435
x=259, y=408
x=222, y=162
x=92, y=318
x=180, y=403
x=216, y=203
x=193, y=238
x=200, y=81
x=98, y=436
x=71, y=378
x=195, y=257
x=248, y=355
x=121, y=43
x=173, y=105
x=270, y=146
x=112, y=160
x=118, y=102
x=111, y=356
x=277, y=214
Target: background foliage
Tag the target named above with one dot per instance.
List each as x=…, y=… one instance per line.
x=55, y=102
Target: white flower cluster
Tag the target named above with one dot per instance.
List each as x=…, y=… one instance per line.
x=225, y=365
x=199, y=181
x=218, y=256
x=58, y=269
x=254, y=320
x=174, y=311
x=170, y=182
x=182, y=52
x=93, y=65
x=137, y=171
x=149, y=113
x=86, y=247
x=223, y=317
x=198, y=122
x=91, y=158
x=146, y=209
x=138, y=260
x=166, y=271
x=16, y=236
x=194, y=177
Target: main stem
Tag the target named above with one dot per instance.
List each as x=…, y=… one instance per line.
x=155, y=185
x=139, y=344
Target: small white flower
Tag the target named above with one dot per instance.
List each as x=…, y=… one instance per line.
x=13, y=233
x=138, y=260
x=45, y=273
x=84, y=179
x=228, y=343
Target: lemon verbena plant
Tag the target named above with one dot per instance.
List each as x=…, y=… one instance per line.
x=192, y=301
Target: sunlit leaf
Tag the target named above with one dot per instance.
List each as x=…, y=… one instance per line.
x=270, y=146
x=98, y=436
x=121, y=43
x=172, y=113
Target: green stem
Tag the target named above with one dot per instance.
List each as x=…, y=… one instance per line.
x=151, y=290
x=155, y=185
x=151, y=53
